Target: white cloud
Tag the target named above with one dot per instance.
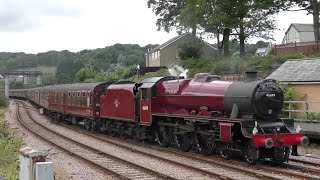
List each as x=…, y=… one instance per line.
x=19, y=15
x=43, y=25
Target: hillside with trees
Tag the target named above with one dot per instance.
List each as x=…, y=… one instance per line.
x=86, y=65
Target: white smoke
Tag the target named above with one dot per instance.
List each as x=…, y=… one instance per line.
x=178, y=71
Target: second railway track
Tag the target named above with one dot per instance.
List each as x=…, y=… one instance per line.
x=114, y=165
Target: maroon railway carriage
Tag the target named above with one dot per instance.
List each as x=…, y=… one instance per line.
x=79, y=103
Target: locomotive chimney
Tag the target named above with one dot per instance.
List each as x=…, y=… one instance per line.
x=251, y=76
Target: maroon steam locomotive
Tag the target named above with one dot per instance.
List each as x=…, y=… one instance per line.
x=203, y=113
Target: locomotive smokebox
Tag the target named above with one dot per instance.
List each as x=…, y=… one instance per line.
x=264, y=99
x=251, y=76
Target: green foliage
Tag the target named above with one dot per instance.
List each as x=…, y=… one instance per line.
x=288, y=96
x=114, y=73
x=85, y=73
x=49, y=79
x=66, y=64
x=9, y=151
x=66, y=71
x=314, y=117
x=3, y=101
x=191, y=48
x=168, y=12
x=237, y=65
x=16, y=85
x=243, y=19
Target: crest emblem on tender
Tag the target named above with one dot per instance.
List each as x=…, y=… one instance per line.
x=116, y=103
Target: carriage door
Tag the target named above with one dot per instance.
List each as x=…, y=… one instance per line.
x=145, y=106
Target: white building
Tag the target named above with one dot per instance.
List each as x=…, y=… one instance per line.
x=299, y=33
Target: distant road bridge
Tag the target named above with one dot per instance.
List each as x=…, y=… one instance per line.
x=10, y=76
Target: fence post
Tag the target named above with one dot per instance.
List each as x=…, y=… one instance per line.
x=289, y=109
x=275, y=50
x=307, y=108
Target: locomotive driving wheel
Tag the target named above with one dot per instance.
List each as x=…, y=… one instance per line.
x=205, y=144
x=281, y=155
x=183, y=141
x=163, y=136
x=251, y=153
x=225, y=152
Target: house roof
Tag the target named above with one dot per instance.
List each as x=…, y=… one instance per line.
x=262, y=50
x=301, y=27
x=298, y=71
x=167, y=43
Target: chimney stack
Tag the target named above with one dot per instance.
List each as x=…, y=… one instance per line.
x=251, y=76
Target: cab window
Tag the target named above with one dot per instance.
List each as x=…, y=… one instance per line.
x=144, y=94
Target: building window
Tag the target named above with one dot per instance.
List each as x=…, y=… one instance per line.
x=296, y=34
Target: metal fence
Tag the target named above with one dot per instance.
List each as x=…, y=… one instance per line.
x=303, y=110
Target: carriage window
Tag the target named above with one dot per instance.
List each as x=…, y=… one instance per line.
x=84, y=94
x=144, y=95
x=78, y=93
x=56, y=97
x=69, y=93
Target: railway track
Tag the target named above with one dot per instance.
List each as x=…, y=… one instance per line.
x=305, y=162
x=203, y=168
x=114, y=165
x=253, y=171
x=204, y=164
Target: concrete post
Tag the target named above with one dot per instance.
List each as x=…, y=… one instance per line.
x=33, y=165
x=6, y=86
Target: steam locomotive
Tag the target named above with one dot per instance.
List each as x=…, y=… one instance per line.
x=204, y=113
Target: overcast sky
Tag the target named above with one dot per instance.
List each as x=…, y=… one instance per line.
x=34, y=26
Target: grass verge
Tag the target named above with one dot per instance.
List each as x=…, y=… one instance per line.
x=9, y=150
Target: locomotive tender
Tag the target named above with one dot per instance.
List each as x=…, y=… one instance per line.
x=203, y=113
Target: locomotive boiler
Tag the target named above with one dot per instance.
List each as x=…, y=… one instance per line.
x=261, y=99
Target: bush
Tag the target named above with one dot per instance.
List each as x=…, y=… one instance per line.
x=3, y=101
x=288, y=96
x=314, y=117
x=9, y=154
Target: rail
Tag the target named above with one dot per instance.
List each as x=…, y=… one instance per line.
x=308, y=111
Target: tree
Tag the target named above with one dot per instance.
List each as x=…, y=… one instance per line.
x=168, y=12
x=214, y=16
x=67, y=70
x=85, y=73
x=255, y=20
x=191, y=49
